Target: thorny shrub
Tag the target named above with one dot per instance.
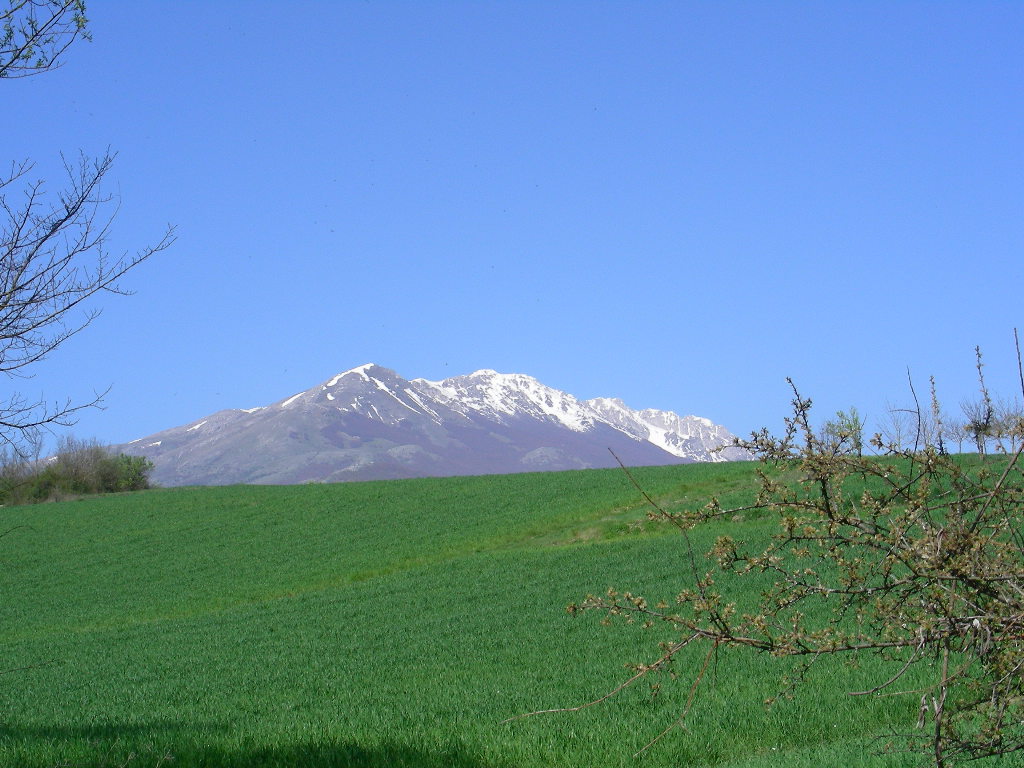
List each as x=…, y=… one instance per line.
x=915, y=555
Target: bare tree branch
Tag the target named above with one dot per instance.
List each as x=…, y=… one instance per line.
x=53, y=259
x=53, y=246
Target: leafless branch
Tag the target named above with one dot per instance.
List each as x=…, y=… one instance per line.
x=53, y=259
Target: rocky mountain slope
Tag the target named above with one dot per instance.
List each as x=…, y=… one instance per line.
x=370, y=423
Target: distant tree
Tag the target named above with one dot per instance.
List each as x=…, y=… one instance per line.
x=78, y=468
x=955, y=431
x=915, y=556
x=1008, y=423
x=979, y=422
x=53, y=257
x=899, y=426
x=979, y=413
x=844, y=433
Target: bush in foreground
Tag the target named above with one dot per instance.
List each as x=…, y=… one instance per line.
x=916, y=556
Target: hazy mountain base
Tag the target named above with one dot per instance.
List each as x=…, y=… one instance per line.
x=285, y=447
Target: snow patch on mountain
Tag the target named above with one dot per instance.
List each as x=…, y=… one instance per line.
x=292, y=399
x=504, y=395
x=692, y=437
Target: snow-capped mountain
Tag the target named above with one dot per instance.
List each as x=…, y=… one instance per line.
x=690, y=437
x=501, y=396
x=370, y=423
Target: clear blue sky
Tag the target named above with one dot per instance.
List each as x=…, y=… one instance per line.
x=676, y=203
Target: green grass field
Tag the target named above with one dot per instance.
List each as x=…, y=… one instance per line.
x=385, y=624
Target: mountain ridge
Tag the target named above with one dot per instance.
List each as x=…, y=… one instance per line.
x=368, y=422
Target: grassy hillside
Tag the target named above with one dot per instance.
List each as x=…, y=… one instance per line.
x=382, y=624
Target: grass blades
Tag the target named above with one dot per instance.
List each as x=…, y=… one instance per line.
x=384, y=624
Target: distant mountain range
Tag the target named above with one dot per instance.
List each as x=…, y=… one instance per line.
x=370, y=423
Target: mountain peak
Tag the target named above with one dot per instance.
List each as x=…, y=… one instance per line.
x=366, y=372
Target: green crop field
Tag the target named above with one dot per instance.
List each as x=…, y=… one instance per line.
x=386, y=624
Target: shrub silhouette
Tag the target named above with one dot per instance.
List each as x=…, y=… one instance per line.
x=79, y=468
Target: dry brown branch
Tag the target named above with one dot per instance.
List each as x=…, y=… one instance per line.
x=681, y=720
x=642, y=672
x=919, y=553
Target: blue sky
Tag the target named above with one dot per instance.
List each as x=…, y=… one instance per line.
x=679, y=204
